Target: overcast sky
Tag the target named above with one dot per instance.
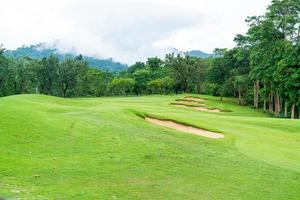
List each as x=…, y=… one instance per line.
x=126, y=30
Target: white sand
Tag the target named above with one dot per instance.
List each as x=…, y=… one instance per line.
x=184, y=128
x=201, y=109
x=194, y=99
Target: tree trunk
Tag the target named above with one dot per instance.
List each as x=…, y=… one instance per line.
x=185, y=86
x=65, y=90
x=265, y=105
x=293, y=111
x=277, y=105
x=285, y=110
x=240, y=96
x=271, y=102
x=256, y=93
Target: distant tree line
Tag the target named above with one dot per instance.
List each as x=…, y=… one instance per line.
x=74, y=77
x=263, y=69
x=49, y=76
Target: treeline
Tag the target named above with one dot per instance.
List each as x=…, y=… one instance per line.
x=71, y=77
x=272, y=43
x=74, y=77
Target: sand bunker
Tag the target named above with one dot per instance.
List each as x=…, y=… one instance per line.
x=206, y=109
x=199, y=108
x=184, y=128
x=194, y=99
x=193, y=103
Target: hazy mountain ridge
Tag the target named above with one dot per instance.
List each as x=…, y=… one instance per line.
x=40, y=50
x=200, y=54
x=193, y=53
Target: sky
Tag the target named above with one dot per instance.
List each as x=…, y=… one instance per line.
x=126, y=30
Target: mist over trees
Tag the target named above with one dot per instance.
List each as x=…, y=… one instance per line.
x=263, y=70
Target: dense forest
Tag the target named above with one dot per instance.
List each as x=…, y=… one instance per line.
x=263, y=69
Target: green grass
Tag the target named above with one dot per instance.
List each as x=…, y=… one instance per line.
x=98, y=148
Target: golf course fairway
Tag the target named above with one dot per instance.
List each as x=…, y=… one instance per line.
x=103, y=148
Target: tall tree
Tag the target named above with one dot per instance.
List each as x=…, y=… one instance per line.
x=48, y=75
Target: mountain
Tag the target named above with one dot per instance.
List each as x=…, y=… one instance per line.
x=40, y=50
x=193, y=53
x=199, y=54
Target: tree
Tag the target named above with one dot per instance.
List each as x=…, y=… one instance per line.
x=142, y=77
x=217, y=74
x=182, y=69
x=122, y=86
x=96, y=82
x=241, y=86
x=154, y=63
x=270, y=37
x=48, y=75
x=3, y=72
x=72, y=77
x=288, y=74
x=135, y=67
x=161, y=86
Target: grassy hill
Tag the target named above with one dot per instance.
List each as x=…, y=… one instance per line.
x=98, y=148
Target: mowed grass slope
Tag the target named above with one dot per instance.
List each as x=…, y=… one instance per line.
x=98, y=148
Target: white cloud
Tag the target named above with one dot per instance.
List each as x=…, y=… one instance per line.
x=127, y=30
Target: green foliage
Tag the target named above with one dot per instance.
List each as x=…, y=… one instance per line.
x=96, y=82
x=122, y=86
x=154, y=63
x=49, y=76
x=210, y=88
x=161, y=86
x=187, y=72
x=142, y=77
x=273, y=40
